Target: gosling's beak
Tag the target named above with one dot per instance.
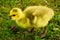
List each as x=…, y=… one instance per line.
x=9, y=18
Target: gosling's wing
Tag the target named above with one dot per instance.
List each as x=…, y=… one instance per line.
x=43, y=16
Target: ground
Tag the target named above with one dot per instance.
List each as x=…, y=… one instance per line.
x=7, y=33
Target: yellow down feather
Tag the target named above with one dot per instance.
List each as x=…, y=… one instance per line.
x=33, y=16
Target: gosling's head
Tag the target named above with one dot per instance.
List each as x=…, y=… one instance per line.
x=15, y=13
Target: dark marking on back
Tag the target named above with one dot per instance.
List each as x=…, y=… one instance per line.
x=30, y=17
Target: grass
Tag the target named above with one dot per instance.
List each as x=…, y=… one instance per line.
x=7, y=34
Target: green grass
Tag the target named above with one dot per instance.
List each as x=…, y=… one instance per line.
x=7, y=34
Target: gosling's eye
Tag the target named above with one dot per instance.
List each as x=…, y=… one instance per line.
x=13, y=15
